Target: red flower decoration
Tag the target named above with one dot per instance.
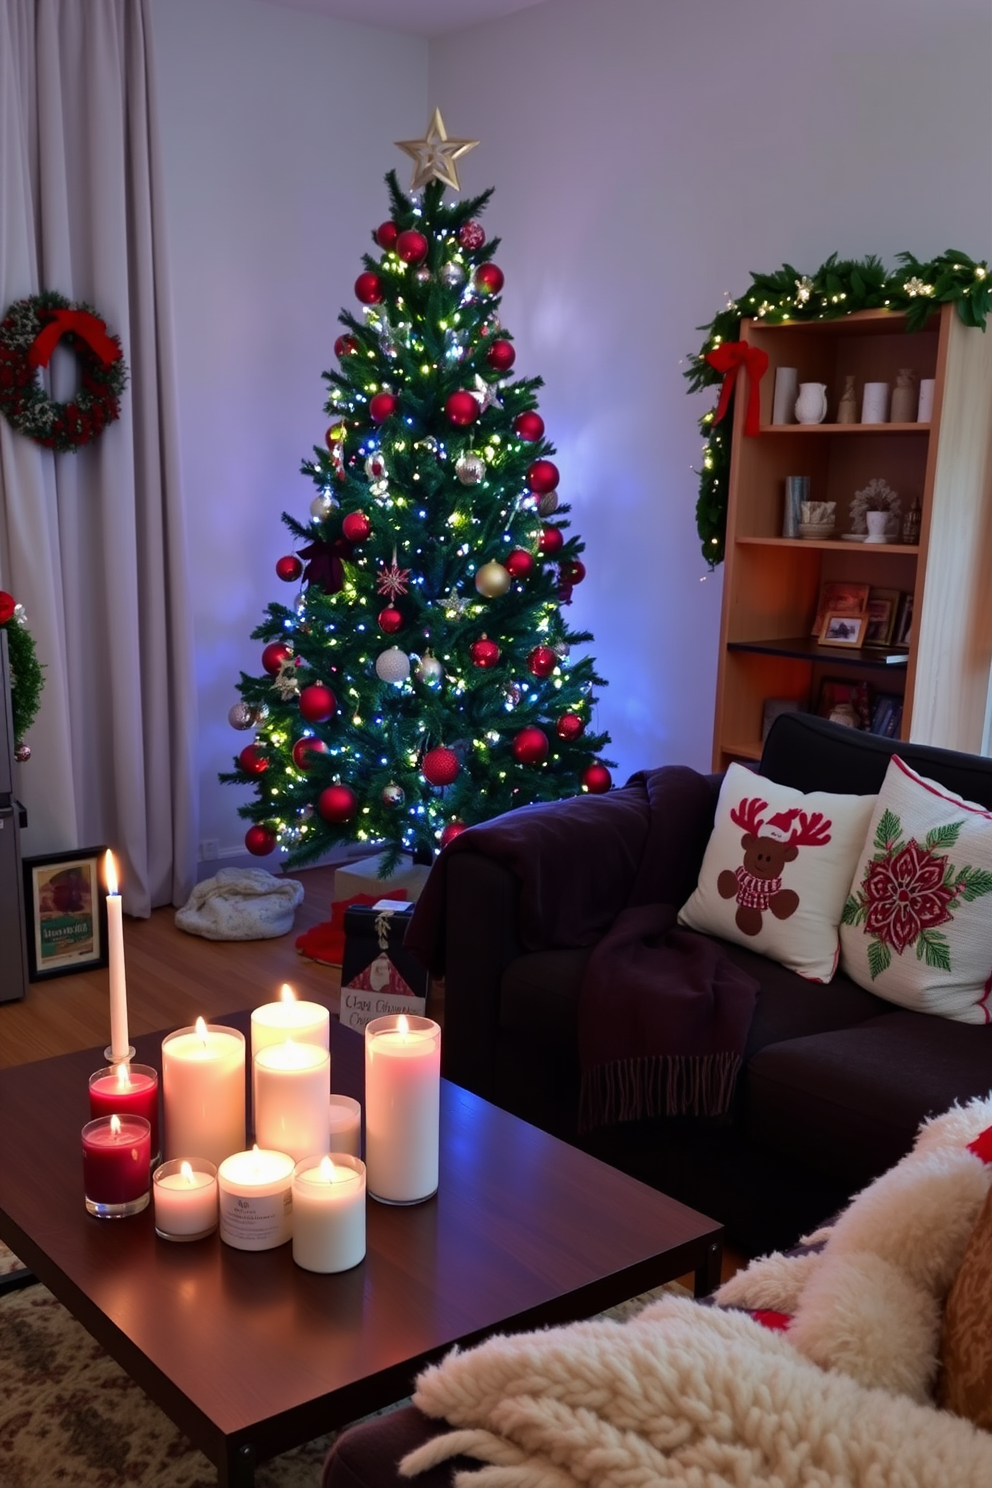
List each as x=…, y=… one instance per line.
x=905, y=894
x=7, y=606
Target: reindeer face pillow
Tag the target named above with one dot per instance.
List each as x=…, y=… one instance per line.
x=778, y=869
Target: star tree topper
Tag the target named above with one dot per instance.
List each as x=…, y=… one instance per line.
x=434, y=156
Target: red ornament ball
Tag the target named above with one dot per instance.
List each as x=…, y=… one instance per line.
x=489, y=279
x=338, y=804
x=542, y=476
x=252, y=760
x=440, y=766
x=531, y=746
x=528, y=426
x=317, y=703
x=570, y=726
x=451, y=831
x=260, y=841
x=345, y=346
x=356, y=527
x=288, y=568
x=596, y=778
x=275, y=653
x=462, y=408
x=369, y=289
x=386, y=234
x=519, y=564
x=572, y=572
x=411, y=246
x=390, y=620
x=484, y=652
x=550, y=541
x=304, y=750
x=542, y=661
x=501, y=355
x=471, y=235
x=383, y=406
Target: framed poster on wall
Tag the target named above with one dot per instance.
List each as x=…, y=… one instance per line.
x=66, y=912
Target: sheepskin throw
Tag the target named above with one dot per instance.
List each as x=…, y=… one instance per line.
x=241, y=904
x=708, y=1398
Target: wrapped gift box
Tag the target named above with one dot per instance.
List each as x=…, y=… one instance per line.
x=377, y=975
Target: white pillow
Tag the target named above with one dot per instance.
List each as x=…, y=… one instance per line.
x=917, y=928
x=778, y=869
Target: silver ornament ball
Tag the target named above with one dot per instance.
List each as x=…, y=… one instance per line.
x=561, y=649
x=470, y=469
x=241, y=716
x=393, y=794
x=429, y=671
x=452, y=275
x=422, y=275
x=547, y=503
x=22, y=753
x=392, y=665
x=321, y=506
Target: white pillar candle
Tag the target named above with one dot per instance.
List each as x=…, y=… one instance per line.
x=203, y=1091
x=120, y=1047
x=346, y=1125
x=255, y=1192
x=329, y=1212
x=274, y=1022
x=875, y=403
x=402, y=1107
x=292, y=1087
x=185, y=1195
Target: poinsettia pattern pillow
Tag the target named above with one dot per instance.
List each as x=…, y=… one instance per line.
x=917, y=926
x=777, y=870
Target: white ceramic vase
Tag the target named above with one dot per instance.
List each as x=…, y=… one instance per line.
x=811, y=405
x=878, y=524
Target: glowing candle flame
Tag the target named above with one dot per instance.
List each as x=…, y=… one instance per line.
x=201, y=1030
x=110, y=872
x=286, y=993
x=403, y=1026
x=115, y=1125
x=186, y=1171
x=328, y=1172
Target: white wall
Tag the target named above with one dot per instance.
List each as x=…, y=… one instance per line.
x=647, y=154
x=278, y=127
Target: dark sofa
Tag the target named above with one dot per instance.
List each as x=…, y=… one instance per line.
x=835, y=1081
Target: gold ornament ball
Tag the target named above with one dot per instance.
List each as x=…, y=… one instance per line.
x=492, y=580
x=321, y=506
x=393, y=794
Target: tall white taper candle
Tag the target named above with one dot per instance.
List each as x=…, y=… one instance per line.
x=120, y=1047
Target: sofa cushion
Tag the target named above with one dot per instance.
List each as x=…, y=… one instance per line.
x=917, y=928
x=849, y=1102
x=777, y=870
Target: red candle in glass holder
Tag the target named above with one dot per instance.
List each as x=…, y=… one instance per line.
x=116, y=1162
x=130, y=1090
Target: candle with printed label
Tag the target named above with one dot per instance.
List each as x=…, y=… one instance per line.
x=329, y=1212
x=402, y=1108
x=255, y=1191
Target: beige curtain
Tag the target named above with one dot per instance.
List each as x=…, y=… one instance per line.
x=93, y=543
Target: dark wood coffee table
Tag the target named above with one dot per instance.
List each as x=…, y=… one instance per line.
x=250, y=1355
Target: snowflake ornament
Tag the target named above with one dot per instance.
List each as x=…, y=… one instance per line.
x=804, y=288
x=917, y=286
x=393, y=581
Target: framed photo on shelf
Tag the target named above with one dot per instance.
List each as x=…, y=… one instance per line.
x=852, y=698
x=843, y=629
x=883, y=605
x=838, y=597
x=66, y=911
x=903, y=631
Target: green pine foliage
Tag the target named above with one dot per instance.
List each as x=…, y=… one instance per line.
x=429, y=336
x=27, y=677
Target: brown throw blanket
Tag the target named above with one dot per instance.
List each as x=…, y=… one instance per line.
x=663, y=1014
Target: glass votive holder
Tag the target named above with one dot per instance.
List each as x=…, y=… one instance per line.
x=255, y=1197
x=184, y=1191
x=329, y=1212
x=402, y=1107
x=116, y=1163
x=346, y=1125
x=130, y=1089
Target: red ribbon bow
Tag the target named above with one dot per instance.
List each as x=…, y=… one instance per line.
x=729, y=358
x=82, y=323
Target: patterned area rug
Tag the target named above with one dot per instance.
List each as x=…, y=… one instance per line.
x=70, y=1416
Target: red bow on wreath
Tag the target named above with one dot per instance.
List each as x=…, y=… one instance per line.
x=729, y=358
x=88, y=327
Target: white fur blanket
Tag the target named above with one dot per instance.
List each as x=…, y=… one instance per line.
x=241, y=904
x=693, y=1396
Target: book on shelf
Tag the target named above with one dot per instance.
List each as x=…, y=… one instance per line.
x=886, y=716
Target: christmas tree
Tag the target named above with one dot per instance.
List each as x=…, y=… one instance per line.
x=422, y=679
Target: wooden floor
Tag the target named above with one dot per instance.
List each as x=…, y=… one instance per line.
x=172, y=979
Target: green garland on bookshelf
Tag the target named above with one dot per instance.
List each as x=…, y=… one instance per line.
x=837, y=288
x=27, y=676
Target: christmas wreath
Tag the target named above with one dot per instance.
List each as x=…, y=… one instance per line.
x=26, y=675
x=835, y=289
x=29, y=333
